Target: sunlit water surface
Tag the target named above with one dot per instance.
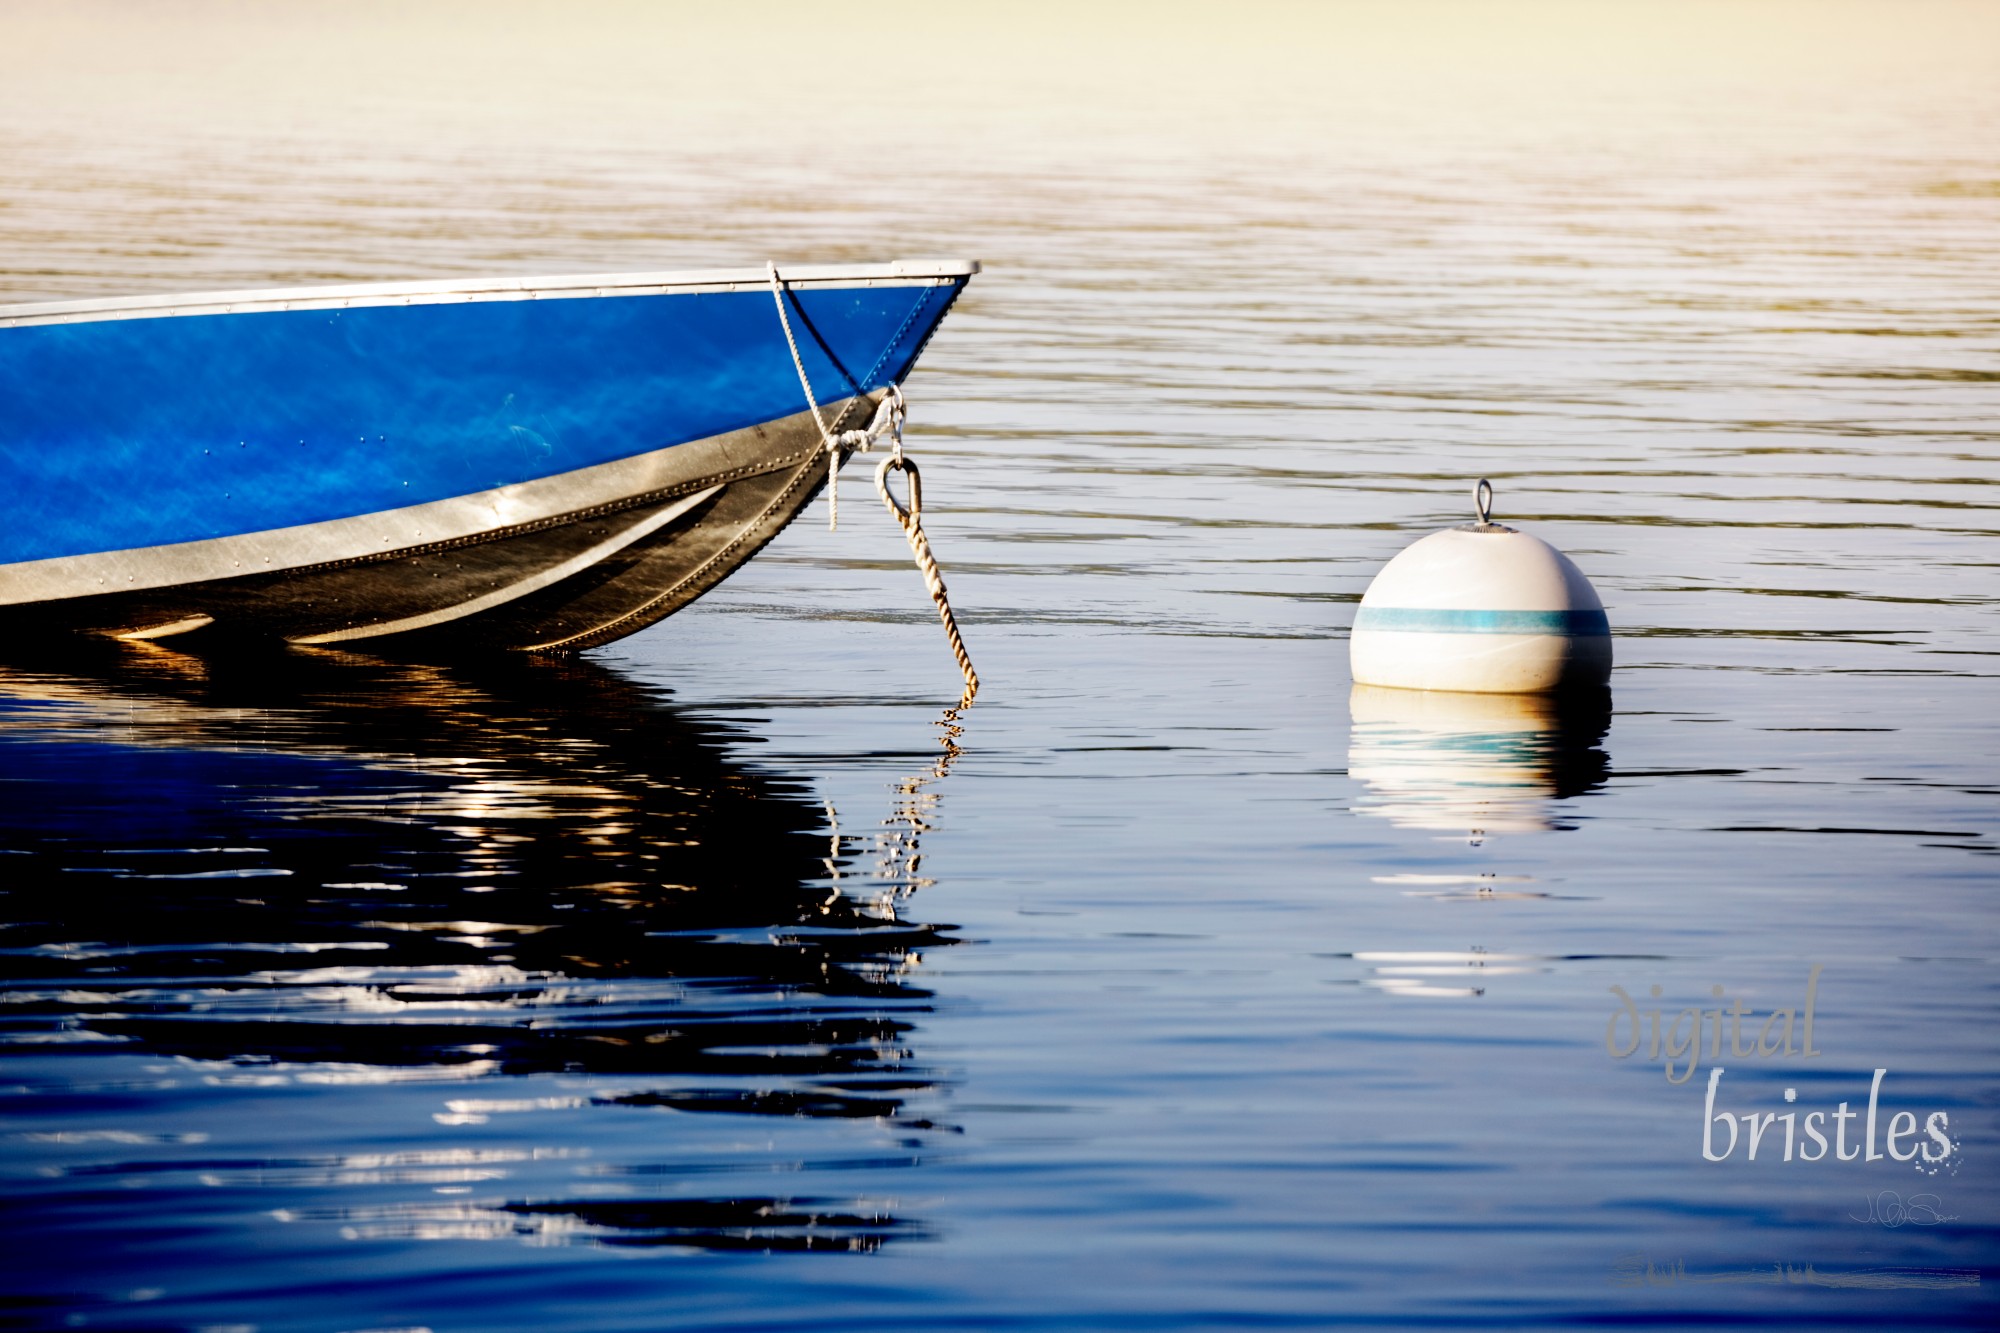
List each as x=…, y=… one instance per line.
x=722, y=980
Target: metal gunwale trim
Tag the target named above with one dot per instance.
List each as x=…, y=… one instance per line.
x=640, y=616
x=610, y=629
x=432, y=526
x=914, y=273
x=520, y=588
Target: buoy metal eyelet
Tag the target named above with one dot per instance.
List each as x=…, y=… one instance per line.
x=1482, y=501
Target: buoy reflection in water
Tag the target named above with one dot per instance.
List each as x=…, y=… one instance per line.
x=1475, y=764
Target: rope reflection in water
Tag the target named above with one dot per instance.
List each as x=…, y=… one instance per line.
x=898, y=851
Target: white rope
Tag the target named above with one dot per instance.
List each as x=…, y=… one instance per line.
x=888, y=413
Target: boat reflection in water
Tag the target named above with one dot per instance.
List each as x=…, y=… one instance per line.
x=321, y=869
x=1475, y=764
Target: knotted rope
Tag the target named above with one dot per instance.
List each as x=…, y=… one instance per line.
x=888, y=413
x=888, y=420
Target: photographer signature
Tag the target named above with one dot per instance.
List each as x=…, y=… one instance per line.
x=1890, y=1209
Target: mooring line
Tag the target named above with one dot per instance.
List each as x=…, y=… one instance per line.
x=911, y=521
x=888, y=420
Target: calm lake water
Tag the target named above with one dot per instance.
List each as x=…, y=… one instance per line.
x=722, y=980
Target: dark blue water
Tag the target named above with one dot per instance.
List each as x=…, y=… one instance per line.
x=724, y=980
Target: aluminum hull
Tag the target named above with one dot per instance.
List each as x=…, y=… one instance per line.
x=574, y=460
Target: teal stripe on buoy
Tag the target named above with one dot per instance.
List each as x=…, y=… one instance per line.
x=1429, y=621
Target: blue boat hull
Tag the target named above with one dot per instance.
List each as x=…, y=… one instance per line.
x=546, y=464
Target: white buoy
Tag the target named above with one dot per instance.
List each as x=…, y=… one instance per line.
x=1481, y=608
